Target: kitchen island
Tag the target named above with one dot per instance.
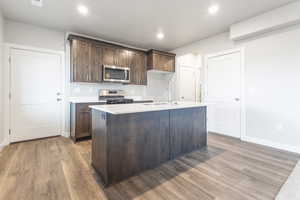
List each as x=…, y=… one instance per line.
x=131, y=138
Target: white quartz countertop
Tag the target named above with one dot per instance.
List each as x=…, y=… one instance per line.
x=144, y=107
x=85, y=100
x=96, y=100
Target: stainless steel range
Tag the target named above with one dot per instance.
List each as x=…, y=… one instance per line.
x=114, y=97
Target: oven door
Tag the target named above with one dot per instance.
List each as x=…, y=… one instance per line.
x=116, y=74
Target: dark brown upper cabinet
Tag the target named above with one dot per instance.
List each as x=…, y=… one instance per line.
x=80, y=60
x=96, y=61
x=88, y=57
x=121, y=58
x=86, y=61
x=109, y=54
x=115, y=56
x=161, y=61
x=138, y=68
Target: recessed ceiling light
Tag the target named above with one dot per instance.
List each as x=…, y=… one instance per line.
x=213, y=9
x=83, y=10
x=160, y=36
x=38, y=3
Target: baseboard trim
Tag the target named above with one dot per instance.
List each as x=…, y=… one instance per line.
x=3, y=144
x=272, y=144
x=66, y=134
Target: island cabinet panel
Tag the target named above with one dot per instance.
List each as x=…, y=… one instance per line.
x=137, y=142
x=127, y=144
x=187, y=130
x=99, y=144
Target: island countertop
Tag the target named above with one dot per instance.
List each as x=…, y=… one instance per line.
x=145, y=107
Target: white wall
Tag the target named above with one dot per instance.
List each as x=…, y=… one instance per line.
x=275, y=19
x=26, y=34
x=1, y=79
x=272, y=80
x=39, y=37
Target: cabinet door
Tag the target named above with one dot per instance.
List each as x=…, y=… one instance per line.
x=165, y=62
x=143, y=69
x=138, y=69
x=134, y=69
x=130, y=58
x=156, y=61
x=161, y=61
x=186, y=133
x=80, y=54
x=169, y=63
x=96, y=63
x=108, y=55
x=121, y=57
x=83, y=124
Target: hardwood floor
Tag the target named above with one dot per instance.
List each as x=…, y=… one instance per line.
x=56, y=168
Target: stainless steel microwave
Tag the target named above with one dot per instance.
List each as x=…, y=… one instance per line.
x=116, y=74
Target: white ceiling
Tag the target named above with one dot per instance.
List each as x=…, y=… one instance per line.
x=136, y=22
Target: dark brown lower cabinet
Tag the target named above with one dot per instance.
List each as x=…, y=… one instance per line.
x=80, y=121
x=127, y=144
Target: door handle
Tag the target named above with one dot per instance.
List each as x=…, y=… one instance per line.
x=58, y=99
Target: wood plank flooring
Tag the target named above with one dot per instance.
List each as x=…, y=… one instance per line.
x=58, y=169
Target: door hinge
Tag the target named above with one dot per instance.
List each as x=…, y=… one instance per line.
x=9, y=59
x=9, y=96
x=9, y=131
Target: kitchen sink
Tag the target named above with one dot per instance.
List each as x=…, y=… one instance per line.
x=160, y=103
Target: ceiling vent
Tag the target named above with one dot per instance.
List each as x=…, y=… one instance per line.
x=38, y=3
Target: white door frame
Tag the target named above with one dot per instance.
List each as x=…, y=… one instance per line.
x=197, y=79
x=7, y=78
x=243, y=103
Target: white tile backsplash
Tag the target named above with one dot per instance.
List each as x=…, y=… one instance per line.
x=156, y=89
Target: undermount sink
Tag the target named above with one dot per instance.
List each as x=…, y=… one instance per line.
x=160, y=103
x=154, y=104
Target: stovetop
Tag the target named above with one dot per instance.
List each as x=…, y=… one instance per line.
x=119, y=101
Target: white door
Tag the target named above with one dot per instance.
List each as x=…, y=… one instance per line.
x=36, y=85
x=187, y=84
x=223, y=94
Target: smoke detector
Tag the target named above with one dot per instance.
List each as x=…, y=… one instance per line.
x=37, y=3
